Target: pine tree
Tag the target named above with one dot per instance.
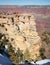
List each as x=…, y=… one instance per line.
x=20, y=55
x=26, y=55
x=12, y=55
x=3, y=42
x=45, y=37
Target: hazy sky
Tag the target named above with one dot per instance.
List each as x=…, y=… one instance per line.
x=24, y=2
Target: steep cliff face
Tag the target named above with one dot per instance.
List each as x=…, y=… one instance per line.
x=24, y=26
x=21, y=31
x=41, y=13
x=25, y=31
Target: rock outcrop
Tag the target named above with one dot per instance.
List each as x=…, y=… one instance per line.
x=21, y=31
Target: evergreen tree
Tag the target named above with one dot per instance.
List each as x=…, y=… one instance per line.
x=42, y=50
x=45, y=37
x=20, y=55
x=15, y=57
x=12, y=55
x=3, y=42
x=26, y=55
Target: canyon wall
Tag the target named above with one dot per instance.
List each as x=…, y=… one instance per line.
x=21, y=32
x=24, y=26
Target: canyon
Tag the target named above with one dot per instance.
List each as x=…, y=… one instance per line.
x=24, y=26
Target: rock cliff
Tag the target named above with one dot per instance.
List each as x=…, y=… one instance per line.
x=24, y=26
x=21, y=31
